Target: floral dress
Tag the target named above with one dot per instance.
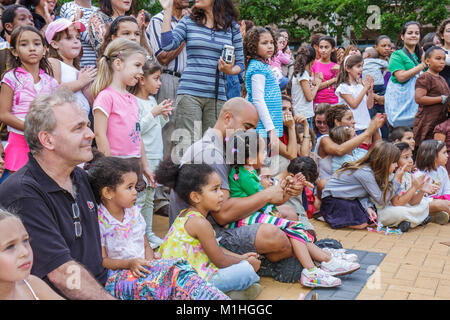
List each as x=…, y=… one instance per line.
x=178, y=243
x=168, y=279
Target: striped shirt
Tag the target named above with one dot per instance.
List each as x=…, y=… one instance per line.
x=154, y=31
x=272, y=97
x=204, y=47
x=68, y=10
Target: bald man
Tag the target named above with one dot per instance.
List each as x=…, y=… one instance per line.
x=239, y=114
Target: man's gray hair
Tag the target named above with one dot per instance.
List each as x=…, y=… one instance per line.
x=41, y=116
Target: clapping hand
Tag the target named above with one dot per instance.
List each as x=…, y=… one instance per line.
x=429, y=188
x=87, y=74
x=164, y=108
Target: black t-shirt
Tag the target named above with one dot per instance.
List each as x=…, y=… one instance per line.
x=46, y=211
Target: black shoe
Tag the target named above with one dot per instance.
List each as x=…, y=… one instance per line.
x=404, y=226
x=425, y=221
x=163, y=211
x=328, y=243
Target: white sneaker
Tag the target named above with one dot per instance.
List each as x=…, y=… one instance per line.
x=340, y=254
x=318, y=278
x=338, y=267
x=154, y=241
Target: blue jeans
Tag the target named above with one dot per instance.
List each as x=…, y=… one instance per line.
x=238, y=277
x=283, y=82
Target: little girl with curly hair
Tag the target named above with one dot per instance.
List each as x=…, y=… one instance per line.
x=261, y=85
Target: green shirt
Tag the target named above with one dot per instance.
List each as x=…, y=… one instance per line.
x=400, y=61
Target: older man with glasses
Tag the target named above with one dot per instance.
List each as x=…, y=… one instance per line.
x=53, y=197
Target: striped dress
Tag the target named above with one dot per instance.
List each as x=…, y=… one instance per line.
x=272, y=95
x=245, y=184
x=203, y=47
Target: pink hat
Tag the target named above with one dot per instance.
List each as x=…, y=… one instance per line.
x=60, y=25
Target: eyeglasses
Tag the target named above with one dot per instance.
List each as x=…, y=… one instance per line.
x=76, y=220
x=321, y=122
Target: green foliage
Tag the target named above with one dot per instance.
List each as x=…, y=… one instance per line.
x=337, y=15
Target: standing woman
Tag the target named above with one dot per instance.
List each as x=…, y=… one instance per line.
x=108, y=11
x=405, y=65
x=201, y=92
x=444, y=33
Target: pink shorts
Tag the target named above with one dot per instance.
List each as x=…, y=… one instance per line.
x=16, y=152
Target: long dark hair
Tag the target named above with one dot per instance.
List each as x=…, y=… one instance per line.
x=224, y=13
x=417, y=50
x=305, y=55
x=251, y=41
x=183, y=179
x=332, y=42
x=349, y=62
x=241, y=146
x=15, y=61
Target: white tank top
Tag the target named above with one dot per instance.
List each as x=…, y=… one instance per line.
x=69, y=74
x=324, y=164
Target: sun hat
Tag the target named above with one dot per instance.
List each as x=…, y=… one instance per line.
x=60, y=25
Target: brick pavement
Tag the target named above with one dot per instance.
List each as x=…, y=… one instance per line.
x=416, y=265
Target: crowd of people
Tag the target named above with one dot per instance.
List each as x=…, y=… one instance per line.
x=110, y=116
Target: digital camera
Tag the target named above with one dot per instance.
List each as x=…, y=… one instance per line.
x=227, y=53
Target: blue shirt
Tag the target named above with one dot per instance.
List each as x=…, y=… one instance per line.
x=204, y=48
x=272, y=95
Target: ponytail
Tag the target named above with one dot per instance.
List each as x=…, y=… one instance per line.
x=117, y=49
x=183, y=179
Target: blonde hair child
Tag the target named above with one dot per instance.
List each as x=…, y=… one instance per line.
x=16, y=260
x=116, y=111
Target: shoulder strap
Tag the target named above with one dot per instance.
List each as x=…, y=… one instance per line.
x=410, y=56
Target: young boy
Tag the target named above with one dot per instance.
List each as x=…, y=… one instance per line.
x=403, y=134
x=13, y=16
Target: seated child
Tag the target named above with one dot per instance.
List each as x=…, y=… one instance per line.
x=192, y=236
x=403, y=134
x=431, y=161
x=248, y=154
x=134, y=273
x=414, y=212
x=442, y=133
x=339, y=135
x=308, y=168
x=16, y=260
x=374, y=66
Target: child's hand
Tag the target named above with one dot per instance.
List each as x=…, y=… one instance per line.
x=78, y=14
x=368, y=83
x=399, y=173
x=156, y=255
x=418, y=182
x=429, y=188
x=87, y=74
x=372, y=214
x=164, y=108
x=255, y=262
x=136, y=266
x=150, y=175
x=299, y=118
x=318, y=78
x=247, y=255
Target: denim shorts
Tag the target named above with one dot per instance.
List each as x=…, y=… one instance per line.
x=238, y=277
